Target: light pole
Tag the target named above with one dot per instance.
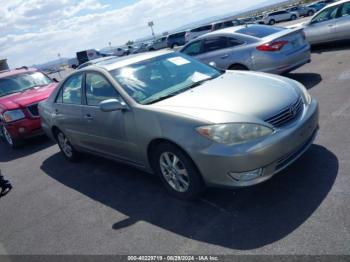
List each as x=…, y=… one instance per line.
x=151, y=24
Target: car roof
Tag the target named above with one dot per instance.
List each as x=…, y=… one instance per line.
x=118, y=62
x=337, y=3
x=17, y=71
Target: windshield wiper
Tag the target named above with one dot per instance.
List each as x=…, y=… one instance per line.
x=163, y=97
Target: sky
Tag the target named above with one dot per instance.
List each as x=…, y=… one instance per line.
x=36, y=31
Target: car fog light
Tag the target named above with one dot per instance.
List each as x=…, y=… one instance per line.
x=246, y=176
x=22, y=130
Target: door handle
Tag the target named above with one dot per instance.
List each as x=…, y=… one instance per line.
x=224, y=56
x=330, y=25
x=88, y=117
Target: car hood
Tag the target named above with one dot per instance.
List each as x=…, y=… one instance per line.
x=235, y=96
x=27, y=97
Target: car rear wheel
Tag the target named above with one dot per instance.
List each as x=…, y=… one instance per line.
x=177, y=172
x=272, y=22
x=293, y=17
x=174, y=45
x=66, y=147
x=310, y=13
x=14, y=143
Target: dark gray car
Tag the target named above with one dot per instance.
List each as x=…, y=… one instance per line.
x=176, y=39
x=191, y=124
x=252, y=47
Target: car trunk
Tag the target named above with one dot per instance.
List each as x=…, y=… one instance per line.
x=294, y=37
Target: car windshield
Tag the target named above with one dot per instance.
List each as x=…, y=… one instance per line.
x=167, y=75
x=21, y=82
x=259, y=31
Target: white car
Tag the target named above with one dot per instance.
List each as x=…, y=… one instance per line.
x=279, y=16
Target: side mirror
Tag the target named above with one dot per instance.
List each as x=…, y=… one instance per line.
x=213, y=64
x=110, y=105
x=55, y=80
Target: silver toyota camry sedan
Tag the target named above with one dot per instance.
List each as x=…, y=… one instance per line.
x=191, y=124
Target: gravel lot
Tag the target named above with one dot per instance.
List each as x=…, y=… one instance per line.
x=102, y=207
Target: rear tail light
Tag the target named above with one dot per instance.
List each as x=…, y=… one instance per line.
x=272, y=46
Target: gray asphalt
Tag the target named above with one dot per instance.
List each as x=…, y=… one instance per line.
x=98, y=206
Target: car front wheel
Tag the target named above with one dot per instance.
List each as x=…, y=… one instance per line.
x=177, y=172
x=14, y=143
x=66, y=147
x=310, y=13
x=272, y=22
x=293, y=17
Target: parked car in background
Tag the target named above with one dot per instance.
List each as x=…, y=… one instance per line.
x=330, y=24
x=113, y=51
x=279, y=16
x=95, y=61
x=176, y=39
x=252, y=47
x=222, y=24
x=193, y=127
x=159, y=43
x=140, y=48
x=249, y=20
x=303, y=10
x=195, y=32
x=317, y=6
x=20, y=92
x=87, y=55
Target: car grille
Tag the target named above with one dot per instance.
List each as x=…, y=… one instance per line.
x=287, y=115
x=33, y=110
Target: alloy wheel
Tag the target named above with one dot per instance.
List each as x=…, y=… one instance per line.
x=7, y=136
x=65, y=145
x=174, y=171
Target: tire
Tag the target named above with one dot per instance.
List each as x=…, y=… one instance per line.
x=9, y=140
x=182, y=179
x=310, y=13
x=293, y=17
x=238, y=67
x=174, y=45
x=66, y=147
x=272, y=22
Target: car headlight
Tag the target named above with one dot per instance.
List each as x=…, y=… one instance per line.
x=13, y=115
x=306, y=95
x=234, y=133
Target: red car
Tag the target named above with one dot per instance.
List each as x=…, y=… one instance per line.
x=20, y=92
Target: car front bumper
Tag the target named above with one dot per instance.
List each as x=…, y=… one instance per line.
x=25, y=128
x=269, y=155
